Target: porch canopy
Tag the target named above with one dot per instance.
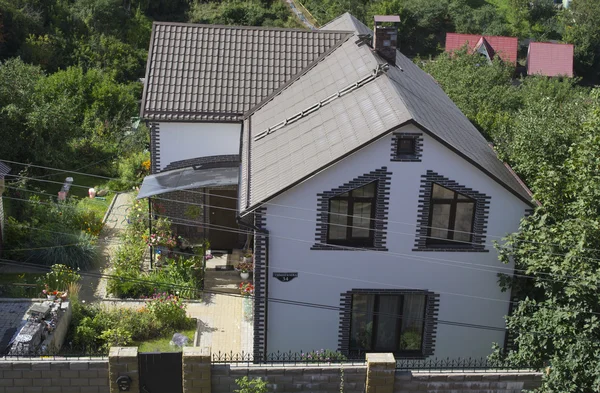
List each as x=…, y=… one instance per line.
x=188, y=178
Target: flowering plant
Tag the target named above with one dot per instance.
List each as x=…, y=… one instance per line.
x=168, y=309
x=245, y=267
x=246, y=288
x=162, y=239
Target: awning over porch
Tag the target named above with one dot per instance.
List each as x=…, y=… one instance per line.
x=188, y=178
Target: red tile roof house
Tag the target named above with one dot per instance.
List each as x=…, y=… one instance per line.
x=505, y=47
x=550, y=59
x=373, y=200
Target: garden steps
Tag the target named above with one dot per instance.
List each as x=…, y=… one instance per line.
x=222, y=281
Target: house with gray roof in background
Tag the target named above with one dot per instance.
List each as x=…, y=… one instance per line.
x=373, y=201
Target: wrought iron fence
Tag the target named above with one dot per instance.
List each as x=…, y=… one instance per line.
x=457, y=365
x=317, y=357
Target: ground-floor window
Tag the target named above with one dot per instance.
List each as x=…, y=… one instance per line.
x=401, y=321
x=391, y=323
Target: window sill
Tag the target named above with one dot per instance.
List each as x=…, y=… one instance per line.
x=339, y=247
x=451, y=248
x=406, y=158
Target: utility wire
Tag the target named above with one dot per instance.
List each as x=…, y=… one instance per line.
x=453, y=263
x=440, y=261
x=298, y=303
x=235, y=198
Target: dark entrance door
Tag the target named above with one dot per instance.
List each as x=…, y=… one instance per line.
x=223, y=227
x=160, y=372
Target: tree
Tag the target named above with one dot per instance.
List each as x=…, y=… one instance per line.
x=482, y=91
x=581, y=28
x=557, y=324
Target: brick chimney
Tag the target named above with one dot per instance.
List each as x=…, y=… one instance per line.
x=386, y=37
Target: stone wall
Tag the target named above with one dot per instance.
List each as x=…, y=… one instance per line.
x=378, y=375
x=54, y=376
x=496, y=382
x=300, y=378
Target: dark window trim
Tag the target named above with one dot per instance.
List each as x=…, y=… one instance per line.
x=480, y=216
x=414, y=156
x=382, y=192
x=350, y=199
x=430, y=322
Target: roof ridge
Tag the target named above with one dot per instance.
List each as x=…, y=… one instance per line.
x=236, y=27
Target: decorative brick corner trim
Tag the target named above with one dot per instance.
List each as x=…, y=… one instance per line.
x=431, y=317
x=418, y=137
x=383, y=178
x=222, y=161
x=261, y=271
x=482, y=204
x=154, y=147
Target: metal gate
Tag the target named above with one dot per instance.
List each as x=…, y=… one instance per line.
x=160, y=372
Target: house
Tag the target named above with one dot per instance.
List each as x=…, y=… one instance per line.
x=373, y=200
x=488, y=46
x=550, y=59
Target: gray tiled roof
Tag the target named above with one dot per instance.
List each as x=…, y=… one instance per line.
x=208, y=72
x=405, y=93
x=4, y=169
x=347, y=22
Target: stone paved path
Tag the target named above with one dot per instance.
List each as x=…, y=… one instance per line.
x=94, y=288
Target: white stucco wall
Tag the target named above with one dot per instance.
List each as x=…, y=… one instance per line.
x=182, y=141
x=468, y=292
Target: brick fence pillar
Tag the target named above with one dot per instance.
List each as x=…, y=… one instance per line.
x=196, y=370
x=123, y=361
x=381, y=370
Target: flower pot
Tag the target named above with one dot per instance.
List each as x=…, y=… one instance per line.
x=247, y=259
x=51, y=297
x=244, y=275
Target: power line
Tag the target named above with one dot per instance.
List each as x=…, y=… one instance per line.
x=297, y=303
x=299, y=208
x=266, y=203
x=440, y=261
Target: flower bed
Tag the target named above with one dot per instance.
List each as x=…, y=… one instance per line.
x=175, y=272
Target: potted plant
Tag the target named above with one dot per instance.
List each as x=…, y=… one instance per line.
x=245, y=268
x=50, y=294
x=248, y=256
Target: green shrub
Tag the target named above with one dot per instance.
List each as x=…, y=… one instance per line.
x=248, y=385
x=118, y=336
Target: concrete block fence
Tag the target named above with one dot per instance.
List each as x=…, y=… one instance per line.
x=54, y=376
x=377, y=375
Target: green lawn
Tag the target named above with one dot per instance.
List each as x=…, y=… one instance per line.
x=99, y=206
x=162, y=344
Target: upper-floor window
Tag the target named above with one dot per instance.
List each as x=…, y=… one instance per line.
x=450, y=217
x=351, y=217
x=406, y=146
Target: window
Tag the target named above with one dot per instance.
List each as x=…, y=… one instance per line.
x=450, y=217
x=388, y=322
x=406, y=147
x=351, y=216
